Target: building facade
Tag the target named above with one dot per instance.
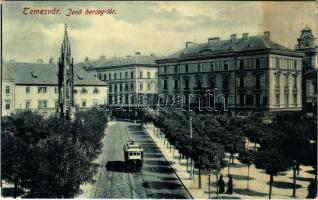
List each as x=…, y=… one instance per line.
x=248, y=74
x=132, y=80
x=34, y=86
x=306, y=44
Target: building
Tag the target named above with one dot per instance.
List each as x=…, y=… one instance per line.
x=132, y=80
x=251, y=74
x=34, y=86
x=307, y=45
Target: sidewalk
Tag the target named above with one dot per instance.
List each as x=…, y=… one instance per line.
x=258, y=184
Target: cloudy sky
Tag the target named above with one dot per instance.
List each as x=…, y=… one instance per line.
x=149, y=27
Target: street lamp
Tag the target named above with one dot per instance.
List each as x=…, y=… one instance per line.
x=191, y=137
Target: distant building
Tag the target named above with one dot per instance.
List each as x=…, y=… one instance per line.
x=34, y=86
x=307, y=45
x=128, y=78
x=251, y=74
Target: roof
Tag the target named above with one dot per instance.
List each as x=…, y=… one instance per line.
x=119, y=61
x=44, y=74
x=239, y=45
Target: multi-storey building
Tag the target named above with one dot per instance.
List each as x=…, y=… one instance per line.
x=132, y=80
x=251, y=73
x=34, y=86
x=307, y=45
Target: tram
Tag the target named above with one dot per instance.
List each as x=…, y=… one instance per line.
x=133, y=154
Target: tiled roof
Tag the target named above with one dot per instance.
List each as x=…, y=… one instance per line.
x=240, y=44
x=111, y=62
x=35, y=73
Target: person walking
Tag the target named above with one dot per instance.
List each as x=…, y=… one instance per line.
x=221, y=185
x=230, y=185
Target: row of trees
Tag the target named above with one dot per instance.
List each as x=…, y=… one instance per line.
x=283, y=144
x=50, y=157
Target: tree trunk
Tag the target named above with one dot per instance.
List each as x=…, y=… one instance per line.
x=248, y=143
x=228, y=166
x=187, y=164
x=199, y=178
x=190, y=168
x=294, y=181
x=248, y=177
x=179, y=158
x=217, y=183
x=255, y=145
x=270, y=186
x=315, y=169
x=232, y=157
x=209, y=183
x=15, y=190
x=174, y=149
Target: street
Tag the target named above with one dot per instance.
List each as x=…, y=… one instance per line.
x=156, y=180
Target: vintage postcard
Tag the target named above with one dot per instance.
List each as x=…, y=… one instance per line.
x=159, y=99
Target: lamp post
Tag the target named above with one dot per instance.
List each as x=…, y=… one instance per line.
x=191, y=137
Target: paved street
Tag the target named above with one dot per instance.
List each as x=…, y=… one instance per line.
x=156, y=180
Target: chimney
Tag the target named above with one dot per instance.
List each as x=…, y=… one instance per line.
x=233, y=37
x=11, y=61
x=245, y=36
x=189, y=44
x=102, y=57
x=267, y=35
x=152, y=54
x=39, y=61
x=214, y=41
x=137, y=53
x=51, y=61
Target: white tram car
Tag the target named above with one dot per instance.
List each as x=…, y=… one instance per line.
x=133, y=154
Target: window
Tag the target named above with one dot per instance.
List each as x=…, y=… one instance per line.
x=27, y=90
x=225, y=83
x=7, y=105
x=56, y=90
x=199, y=67
x=95, y=91
x=241, y=64
x=277, y=81
x=115, y=88
x=286, y=100
x=120, y=75
x=110, y=88
x=42, y=104
x=165, y=69
x=83, y=103
x=295, y=99
x=110, y=76
x=176, y=69
x=115, y=75
x=249, y=99
x=264, y=101
x=295, y=64
x=241, y=82
x=27, y=104
x=42, y=89
x=241, y=100
x=121, y=87
x=99, y=76
x=126, y=74
x=286, y=81
x=141, y=74
x=212, y=66
x=84, y=91
x=132, y=86
x=277, y=99
x=141, y=86
x=75, y=91
x=105, y=76
x=186, y=68
x=258, y=82
x=176, y=84
x=277, y=63
x=186, y=83
x=258, y=63
x=56, y=103
x=131, y=74
x=126, y=87
x=165, y=84
x=199, y=85
x=258, y=99
x=226, y=66
x=7, y=89
x=148, y=75
x=295, y=82
x=148, y=86
x=156, y=74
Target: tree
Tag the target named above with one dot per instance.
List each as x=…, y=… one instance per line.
x=247, y=157
x=272, y=161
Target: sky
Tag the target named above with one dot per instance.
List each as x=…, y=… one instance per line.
x=147, y=27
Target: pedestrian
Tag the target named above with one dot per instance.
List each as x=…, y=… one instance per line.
x=312, y=189
x=230, y=185
x=221, y=185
